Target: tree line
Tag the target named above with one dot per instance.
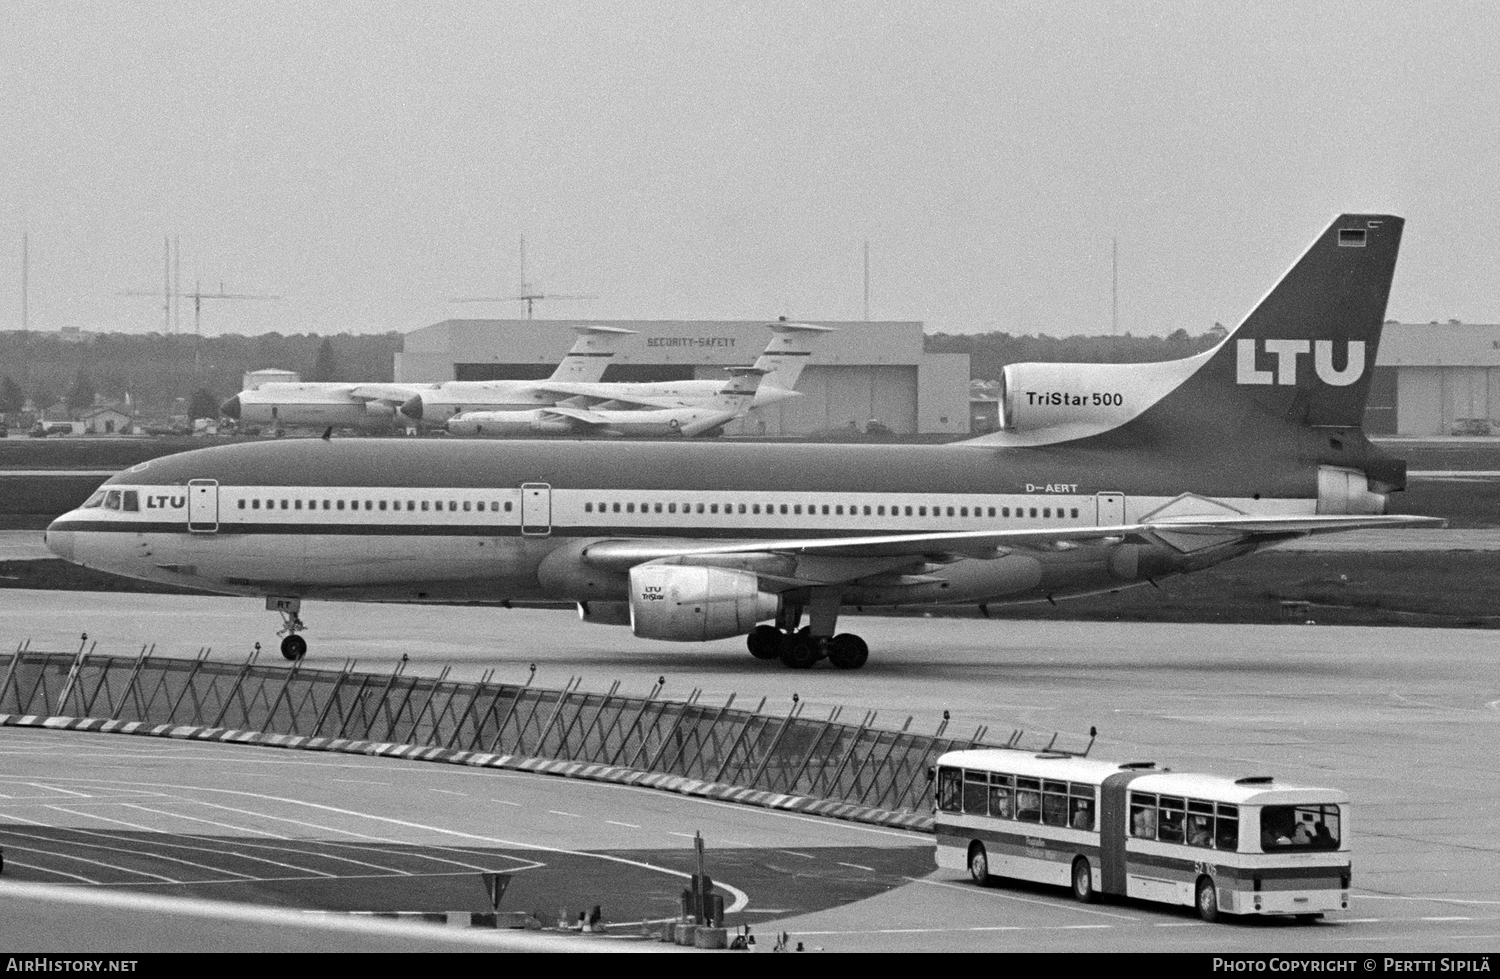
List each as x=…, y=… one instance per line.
x=989, y=352
x=157, y=370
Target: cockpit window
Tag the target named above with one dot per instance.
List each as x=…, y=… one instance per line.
x=96, y=500
x=132, y=501
x=112, y=500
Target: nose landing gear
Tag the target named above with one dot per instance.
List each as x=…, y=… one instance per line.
x=293, y=647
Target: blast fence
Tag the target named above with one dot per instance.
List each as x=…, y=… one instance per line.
x=785, y=753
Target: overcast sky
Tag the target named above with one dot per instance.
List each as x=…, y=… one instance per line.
x=368, y=161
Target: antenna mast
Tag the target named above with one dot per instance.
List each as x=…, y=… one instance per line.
x=528, y=294
x=166, y=287
x=1114, y=298
x=867, y=280
x=177, y=284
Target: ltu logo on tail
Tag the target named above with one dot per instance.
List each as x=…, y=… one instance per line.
x=1286, y=353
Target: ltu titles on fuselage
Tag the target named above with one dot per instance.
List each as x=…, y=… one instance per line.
x=1068, y=398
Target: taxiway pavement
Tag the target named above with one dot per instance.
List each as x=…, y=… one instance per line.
x=1406, y=720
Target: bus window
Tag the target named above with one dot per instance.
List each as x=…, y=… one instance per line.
x=976, y=793
x=1200, y=823
x=1299, y=827
x=1142, y=816
x=950, y=789
x=1169, y=820
x=1029, y=800
x=1227, y=828
x=1055, y=803
x=1081, y=807
x=1001, y=793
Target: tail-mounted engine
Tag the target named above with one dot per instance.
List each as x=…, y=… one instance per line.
x=1343, y=490
x=1043, y=395
x=693, y=604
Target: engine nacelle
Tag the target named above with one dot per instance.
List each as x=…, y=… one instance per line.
x=693, y=604
x=1343, y=490
x=1034, y=396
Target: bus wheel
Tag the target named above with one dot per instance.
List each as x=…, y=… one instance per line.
x=1083, y=881
x=1208, y=900
x=979, y=864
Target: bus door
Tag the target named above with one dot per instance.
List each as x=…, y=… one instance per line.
x=1114, y=830
x=536, y=509
x=1110, y=509
x=203, y=506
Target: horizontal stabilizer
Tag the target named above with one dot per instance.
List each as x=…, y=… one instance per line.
x=1320, y=524
x=783, y=326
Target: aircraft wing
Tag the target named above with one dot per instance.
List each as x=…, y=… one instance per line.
x=847, y=558
x=576, y=414
x=394, y=394
x=593, y=396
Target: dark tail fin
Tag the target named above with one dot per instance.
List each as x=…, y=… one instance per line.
x=1307, y=352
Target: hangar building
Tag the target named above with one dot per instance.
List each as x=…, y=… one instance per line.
x=861, y=372
x=1436, y=379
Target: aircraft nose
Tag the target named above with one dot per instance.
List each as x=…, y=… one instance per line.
x=231, y=408
x=413, y=408
x=59, y=542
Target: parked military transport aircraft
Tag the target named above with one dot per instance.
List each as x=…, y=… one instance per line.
x=373, y=406
x=1109, y=478
x=781, y=363
x=607, y=418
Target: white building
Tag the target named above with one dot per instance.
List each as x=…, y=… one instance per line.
x=1436, y=379
x=862, y=371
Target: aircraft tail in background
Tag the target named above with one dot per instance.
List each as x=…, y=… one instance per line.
x=590, y=355
x=787, y=353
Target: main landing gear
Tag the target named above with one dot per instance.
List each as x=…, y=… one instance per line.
x=293, y=647
x=799, y=649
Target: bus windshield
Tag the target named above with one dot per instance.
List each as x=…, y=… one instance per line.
x=1305, y=827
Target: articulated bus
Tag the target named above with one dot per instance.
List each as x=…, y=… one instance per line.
x=1224, y=845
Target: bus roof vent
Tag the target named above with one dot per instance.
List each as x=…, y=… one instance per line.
x=1255, y=780
x=1138, y=764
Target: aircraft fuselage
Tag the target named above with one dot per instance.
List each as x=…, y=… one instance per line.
x=440, y=521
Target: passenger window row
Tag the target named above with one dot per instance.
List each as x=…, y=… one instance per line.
x=410, y=506
x=827, y=509
x=1051, y=802
x=1194, y=822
